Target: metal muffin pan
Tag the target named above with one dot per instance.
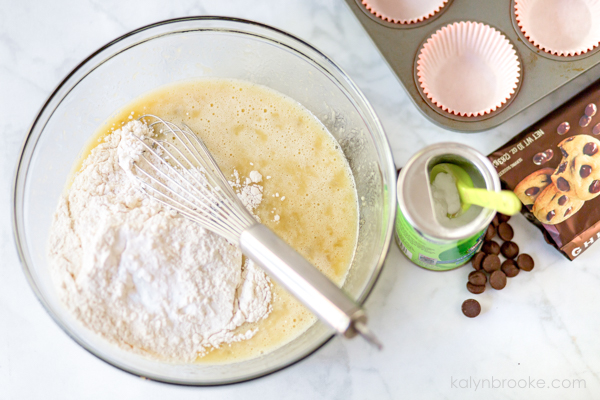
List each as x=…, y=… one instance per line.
x=541, y=73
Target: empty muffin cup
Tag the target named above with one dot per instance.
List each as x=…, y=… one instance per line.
x=468, y=69
x=560, y=27
x=404, y=11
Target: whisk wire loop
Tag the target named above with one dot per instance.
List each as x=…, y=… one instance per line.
x=197, y=148
x=211, y=222
x=191, y=182
x=200, y=187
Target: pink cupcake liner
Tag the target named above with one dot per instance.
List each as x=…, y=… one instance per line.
x=404, y=11
x=468, y=69
x=560, y=27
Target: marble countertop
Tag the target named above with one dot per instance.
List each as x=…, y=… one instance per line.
x=543, y=325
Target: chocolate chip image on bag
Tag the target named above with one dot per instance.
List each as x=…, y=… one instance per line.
x=532, y=186
x=554, y=169
x=578, y=174
x=553, y=206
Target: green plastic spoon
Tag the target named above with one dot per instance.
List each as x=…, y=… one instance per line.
x=504, y=201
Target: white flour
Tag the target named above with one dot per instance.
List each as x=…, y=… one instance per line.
x=445, y=198
x=143, y=278
x=249, y=193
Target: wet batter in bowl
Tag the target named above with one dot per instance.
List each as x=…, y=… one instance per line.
x=308, y=199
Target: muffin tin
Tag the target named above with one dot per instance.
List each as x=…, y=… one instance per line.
x=540, y=72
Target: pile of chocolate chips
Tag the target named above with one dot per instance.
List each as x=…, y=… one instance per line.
x=488, y=265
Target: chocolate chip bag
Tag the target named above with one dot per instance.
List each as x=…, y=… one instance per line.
x=554, y=168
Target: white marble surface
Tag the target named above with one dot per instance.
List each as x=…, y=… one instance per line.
x=544, y=325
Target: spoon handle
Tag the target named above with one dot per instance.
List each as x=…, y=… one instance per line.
x=504, y=201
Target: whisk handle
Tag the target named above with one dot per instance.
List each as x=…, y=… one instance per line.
x=302, y=279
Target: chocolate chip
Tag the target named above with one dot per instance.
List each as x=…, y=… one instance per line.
x=498, y=280
x=491, y=247
x=562, y=184
x=477, y=278
x=496, y=221
x=568, y=211
x=477, y=259
x=584, y=121
x=561, y=168
x=503, y=217
x=550, y=215
x=590, y=149
x=471, y=308
x=596, y=129
x=490, y=232
x=595, y=187
x=590, y=110
x=563, y=128
x=505, y=231
x=540, y=158
x=525, y=262
x=510, y=269
x=585, y=171
x=475, y=289
x=562, y=200
x=532, y=191
x=564, y=152
x=491, y=263
x=509, y=249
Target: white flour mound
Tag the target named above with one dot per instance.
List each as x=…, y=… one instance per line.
x=143, y=277
x=446, y=199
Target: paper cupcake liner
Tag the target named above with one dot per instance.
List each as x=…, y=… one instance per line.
x=468, y=69
x=404, y=11
x=560, y=27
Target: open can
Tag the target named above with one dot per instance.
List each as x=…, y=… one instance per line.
x=421, y=237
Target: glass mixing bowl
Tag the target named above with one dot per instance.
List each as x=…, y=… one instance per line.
x=177, y=50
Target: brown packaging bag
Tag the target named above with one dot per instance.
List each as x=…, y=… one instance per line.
x=554, y=168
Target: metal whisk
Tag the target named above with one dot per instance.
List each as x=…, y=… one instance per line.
x=191, y=183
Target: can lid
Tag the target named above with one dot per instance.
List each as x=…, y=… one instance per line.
x=415, y=197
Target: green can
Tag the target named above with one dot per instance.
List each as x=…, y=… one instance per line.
x=430, y=243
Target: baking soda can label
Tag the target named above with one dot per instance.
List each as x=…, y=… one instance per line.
x=437, y=255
